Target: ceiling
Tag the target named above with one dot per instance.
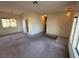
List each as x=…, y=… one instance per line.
x=20, y=7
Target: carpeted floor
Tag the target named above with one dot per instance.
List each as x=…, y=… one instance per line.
x=22, y=46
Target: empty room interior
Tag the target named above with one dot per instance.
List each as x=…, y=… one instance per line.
x=39, y=29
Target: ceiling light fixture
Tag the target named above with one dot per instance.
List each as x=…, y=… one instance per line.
x=69, y=11
x=35, y=2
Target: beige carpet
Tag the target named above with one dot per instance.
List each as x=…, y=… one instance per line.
x=21, y=46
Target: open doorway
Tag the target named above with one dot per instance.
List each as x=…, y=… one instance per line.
x=45, y=24
x=27, y=27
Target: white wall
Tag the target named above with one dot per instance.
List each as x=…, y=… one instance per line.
x=34, y=23
x=59, y=24
x=10, y=30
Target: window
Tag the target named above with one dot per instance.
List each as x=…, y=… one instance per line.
x=13, y=22
x=9, y=23
x=74, y=39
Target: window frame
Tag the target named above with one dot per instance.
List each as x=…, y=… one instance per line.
x=75, y=40
x=74, y=25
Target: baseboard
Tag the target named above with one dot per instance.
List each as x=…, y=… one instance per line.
x=35, y=35
x=38, y=34
x=63, y=37
x=55, y=36
x=11, y=33
x=51, y=35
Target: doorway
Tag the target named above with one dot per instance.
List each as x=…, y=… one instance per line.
x=27, y=27
x=45, y=26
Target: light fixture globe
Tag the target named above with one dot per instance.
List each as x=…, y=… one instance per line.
x=35, y=2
